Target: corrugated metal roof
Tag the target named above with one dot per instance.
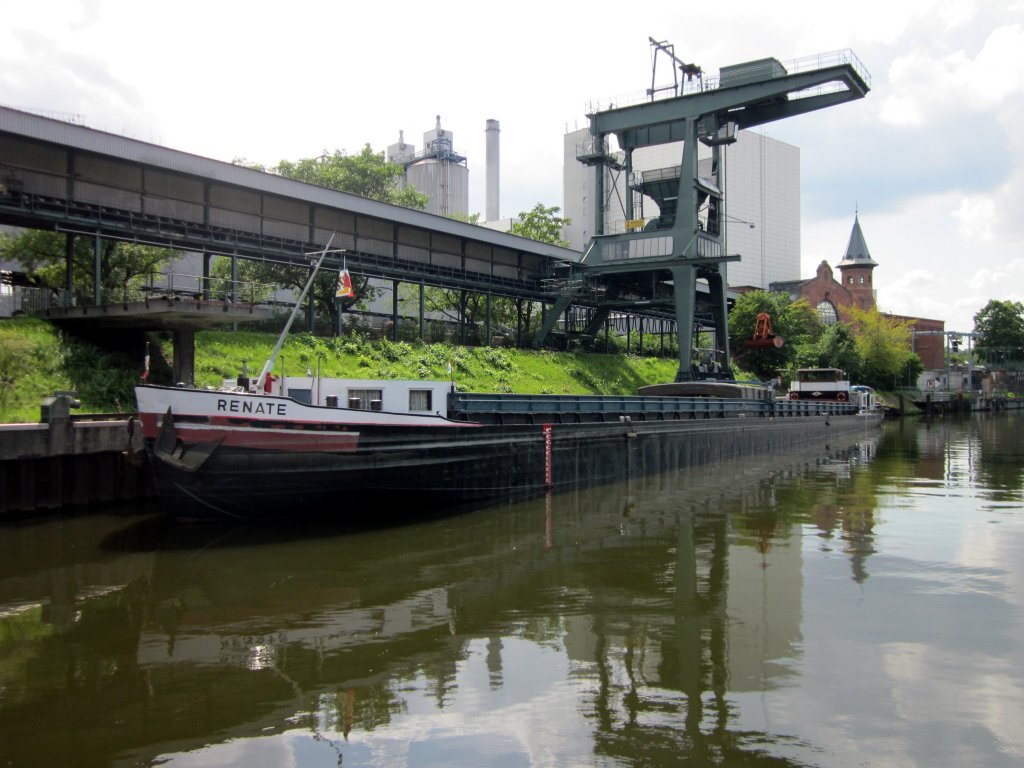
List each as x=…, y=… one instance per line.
x=83, y=138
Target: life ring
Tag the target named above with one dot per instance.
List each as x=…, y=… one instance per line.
x=841, y=396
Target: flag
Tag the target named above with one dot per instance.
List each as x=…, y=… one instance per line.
x=145, y=369
x=344, y=286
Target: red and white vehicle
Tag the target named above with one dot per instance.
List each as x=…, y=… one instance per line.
x=831, y=384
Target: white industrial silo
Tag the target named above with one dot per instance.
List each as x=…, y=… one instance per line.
x=400, y=152
x=440, y=173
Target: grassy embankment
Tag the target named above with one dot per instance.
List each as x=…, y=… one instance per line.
x=36, y=360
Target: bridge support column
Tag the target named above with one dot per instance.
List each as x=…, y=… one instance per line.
x=684, y=280
x=69, y=270
x=207, y=257
x=184, y=366
x=394, y=310
x=422, y=315
x=96, y=266
x=720, y=310
x=487, y=331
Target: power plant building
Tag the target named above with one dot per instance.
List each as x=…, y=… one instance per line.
x=437, y=171
x=762, y=201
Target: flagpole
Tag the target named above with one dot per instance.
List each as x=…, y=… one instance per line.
x=269, y=365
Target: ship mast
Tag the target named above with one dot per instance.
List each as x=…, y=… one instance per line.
x=269, y=365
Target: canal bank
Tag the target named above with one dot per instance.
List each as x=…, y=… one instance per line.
x=68, y=461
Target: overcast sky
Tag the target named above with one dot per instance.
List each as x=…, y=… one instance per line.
x=932, y=158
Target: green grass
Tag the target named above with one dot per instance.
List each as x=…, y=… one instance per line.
x=219, y=355
x=31, y=366
x=36, y=360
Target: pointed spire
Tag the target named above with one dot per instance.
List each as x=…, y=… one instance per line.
x=857, y=253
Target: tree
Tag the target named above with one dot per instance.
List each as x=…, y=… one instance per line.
x=367, y=174
x=835, y=348
x=466, y=218
x=999, y=329
x=795, y=321
x=542, y=224
x=123, y=266
x=883, y=344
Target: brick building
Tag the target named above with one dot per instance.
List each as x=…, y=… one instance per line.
x=855, y=287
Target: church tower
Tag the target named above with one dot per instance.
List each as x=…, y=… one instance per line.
x=856, y=268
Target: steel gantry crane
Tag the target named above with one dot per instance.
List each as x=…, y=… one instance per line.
x=655, y=265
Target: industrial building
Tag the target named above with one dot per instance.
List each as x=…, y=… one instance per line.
x=437, y=171
x=762, y=190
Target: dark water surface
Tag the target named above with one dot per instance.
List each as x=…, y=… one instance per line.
x=862, y=609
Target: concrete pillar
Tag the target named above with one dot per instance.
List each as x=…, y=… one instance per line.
x=184, y=366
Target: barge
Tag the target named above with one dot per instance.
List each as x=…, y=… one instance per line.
x=372, y=452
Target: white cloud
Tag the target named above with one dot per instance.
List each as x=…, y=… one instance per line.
x=926, y=84
x=956, y=13
x=976, y=215
x=1005, y=281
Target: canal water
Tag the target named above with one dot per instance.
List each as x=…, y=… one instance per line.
x=860, y=607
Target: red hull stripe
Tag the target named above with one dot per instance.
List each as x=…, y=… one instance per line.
x=269, y=439
x=266, y=438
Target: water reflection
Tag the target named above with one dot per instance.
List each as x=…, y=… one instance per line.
x=695, y=617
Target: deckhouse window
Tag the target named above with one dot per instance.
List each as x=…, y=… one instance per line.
x=420, y=400
x=365, y=399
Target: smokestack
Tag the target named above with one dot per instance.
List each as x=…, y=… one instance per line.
x=493, y=165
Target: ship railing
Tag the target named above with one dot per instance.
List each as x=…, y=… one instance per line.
x=785, y=407
x=507, y=408
x=535, y=409
x=578, y=408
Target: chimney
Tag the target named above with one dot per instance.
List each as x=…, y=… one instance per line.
x=493, y=209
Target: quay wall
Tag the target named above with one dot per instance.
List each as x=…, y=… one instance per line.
x=66, y=463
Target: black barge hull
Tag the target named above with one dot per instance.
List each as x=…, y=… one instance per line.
x=396, y=474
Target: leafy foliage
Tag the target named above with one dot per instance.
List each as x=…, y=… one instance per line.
x=835, y=348
x=795, y=321
x=123, y=266
x=367, y=174
x=543, y=224
x=883, y=344
x=36, y=360
x=999, y=326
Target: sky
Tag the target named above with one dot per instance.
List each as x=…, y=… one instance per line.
x=931, y=160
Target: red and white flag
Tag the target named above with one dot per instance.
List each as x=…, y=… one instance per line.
x=145, y=370
x=345, y=290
